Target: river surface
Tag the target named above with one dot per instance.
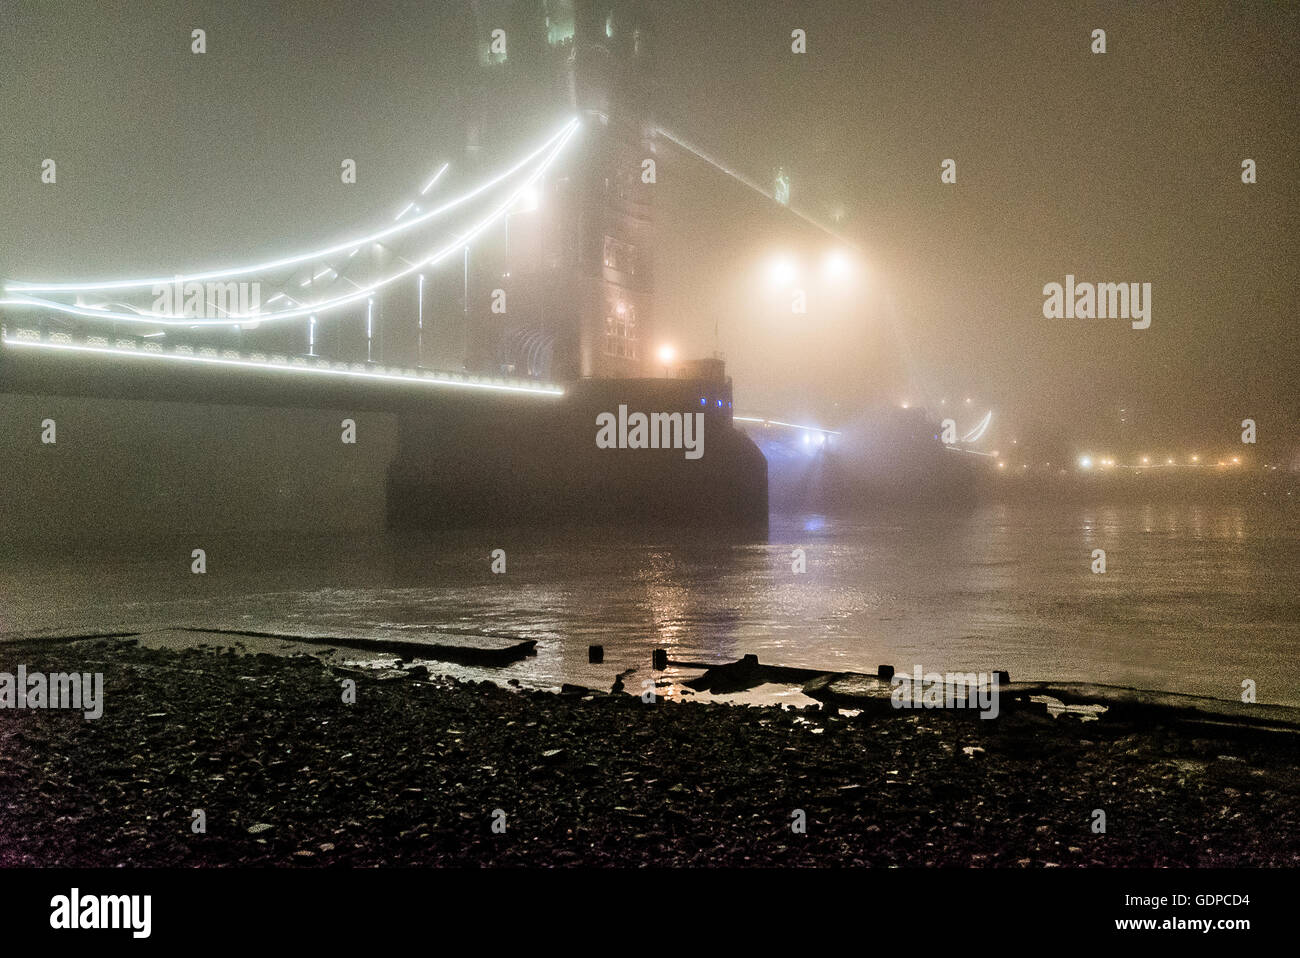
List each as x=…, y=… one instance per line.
x=1195, y=598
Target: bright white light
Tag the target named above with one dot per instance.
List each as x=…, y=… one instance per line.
x=837, y=265
x=22, y=286
x=667, y=354
x=782, y=271
x=1085, y=462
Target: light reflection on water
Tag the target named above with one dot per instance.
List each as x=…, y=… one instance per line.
x=1196, y=598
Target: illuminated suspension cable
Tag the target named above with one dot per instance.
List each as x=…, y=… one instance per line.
x=975, y=434
x=741, y=178
x=22, y=286
x=166, y=319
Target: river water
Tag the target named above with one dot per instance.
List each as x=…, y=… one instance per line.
x=1195, y=598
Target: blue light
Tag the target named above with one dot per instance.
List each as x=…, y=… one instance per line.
x=719, y=403
x=703, y=401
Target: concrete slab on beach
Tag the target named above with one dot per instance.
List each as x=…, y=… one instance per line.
x=480, y=650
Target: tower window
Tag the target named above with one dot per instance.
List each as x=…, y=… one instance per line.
x=621, y=332
x=620, y=256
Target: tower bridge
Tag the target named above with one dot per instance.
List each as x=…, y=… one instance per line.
x=490, y=313
x=520, y=265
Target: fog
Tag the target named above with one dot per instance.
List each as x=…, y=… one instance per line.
x=1117, y=167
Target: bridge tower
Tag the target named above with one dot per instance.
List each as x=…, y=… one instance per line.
x=576, y=266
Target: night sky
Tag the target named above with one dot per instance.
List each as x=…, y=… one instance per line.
x=1122, y=167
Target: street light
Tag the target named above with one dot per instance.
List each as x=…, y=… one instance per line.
x=666, y=356
x=782, y=271
x=837, y=265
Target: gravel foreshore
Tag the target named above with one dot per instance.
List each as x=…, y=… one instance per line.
x=418, y=771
